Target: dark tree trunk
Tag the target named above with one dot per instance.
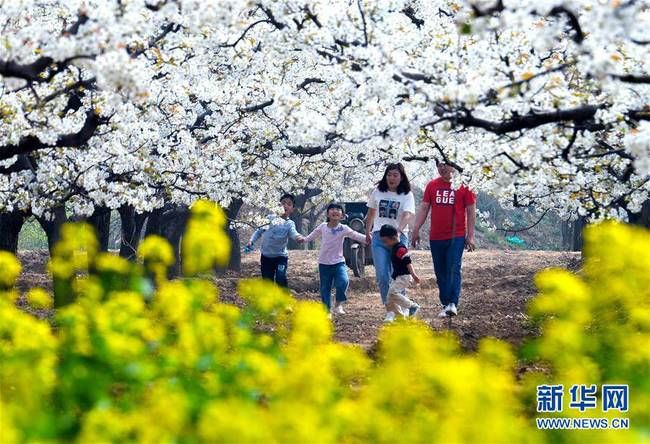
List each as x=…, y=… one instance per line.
x=572, y=234
x=132, y=224
x=567, y=235
x=173, y=221
x=235, y=245
x=297, y=215
x=642, y=218
x=314, y=219
x=52, y=227
x=101, y=221
x=578, y=226
x=169, y=222
x=154, y=222
x=10, y=226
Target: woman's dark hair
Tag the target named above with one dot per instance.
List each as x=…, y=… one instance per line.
x=404, y=186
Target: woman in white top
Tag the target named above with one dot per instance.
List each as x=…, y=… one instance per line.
x=391, y=203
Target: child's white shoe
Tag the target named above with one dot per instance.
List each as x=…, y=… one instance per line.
x=390, y=316
x=338, y=309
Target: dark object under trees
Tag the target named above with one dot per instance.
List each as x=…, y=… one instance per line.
x=170, y=222
x=572, y=233
x=52, y=225
x=132, y=224
x=101, y=221
x=357, y=256
x=642, y=218
x=298, y=214
x=232, y=212
x=10, y=225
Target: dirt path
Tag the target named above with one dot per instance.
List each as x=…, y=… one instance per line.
x=496, y=287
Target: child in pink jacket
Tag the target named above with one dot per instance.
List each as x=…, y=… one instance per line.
x=331, y=263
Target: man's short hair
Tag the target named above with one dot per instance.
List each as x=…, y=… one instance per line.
x=288, y=196
x=387, y=231
x=454, y=165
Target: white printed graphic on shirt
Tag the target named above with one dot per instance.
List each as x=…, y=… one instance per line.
x=388, y=208
x=445, y=197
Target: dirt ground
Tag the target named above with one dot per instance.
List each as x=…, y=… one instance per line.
x=496, y=287
x=497, y=284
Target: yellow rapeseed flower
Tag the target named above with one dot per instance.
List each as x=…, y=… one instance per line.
x=205, y=244
x=111, y=263
x=9, y=270
x=176, y=365
x=155, y=249
x=77, y=244
x=208, y=213
x=39, y=298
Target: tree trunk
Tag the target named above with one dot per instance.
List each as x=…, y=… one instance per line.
x=173, y=221
x=297, y=215
x=642, y=218
x=154, y=222
x=169, y=222
x=52, y=227
x=578, y=226
x=235, y=245
x=101, y=221
x=313, y=218
x=567, y=235
x=10, y=226
x=132, y=223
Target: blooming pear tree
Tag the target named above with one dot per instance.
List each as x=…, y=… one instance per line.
x=540, y=102
x=147, y=106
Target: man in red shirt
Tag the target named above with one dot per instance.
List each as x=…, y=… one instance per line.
x=453, y=218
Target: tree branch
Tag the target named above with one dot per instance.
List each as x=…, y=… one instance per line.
x=628, y=78
x=233, y=44
x=573, y=21
x=567, y=149
x=258, y=107
x=308, y=151
x=529, y=121
x=31, y=72
x=365, y=25
x=271, y=17
x=169, y=27
x=519, y=230
x=410, y=13
x=309, y=81
x=498, y=7
x=30, y=144
x=89, y=83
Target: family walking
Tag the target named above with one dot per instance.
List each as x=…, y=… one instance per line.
x=391, y=212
